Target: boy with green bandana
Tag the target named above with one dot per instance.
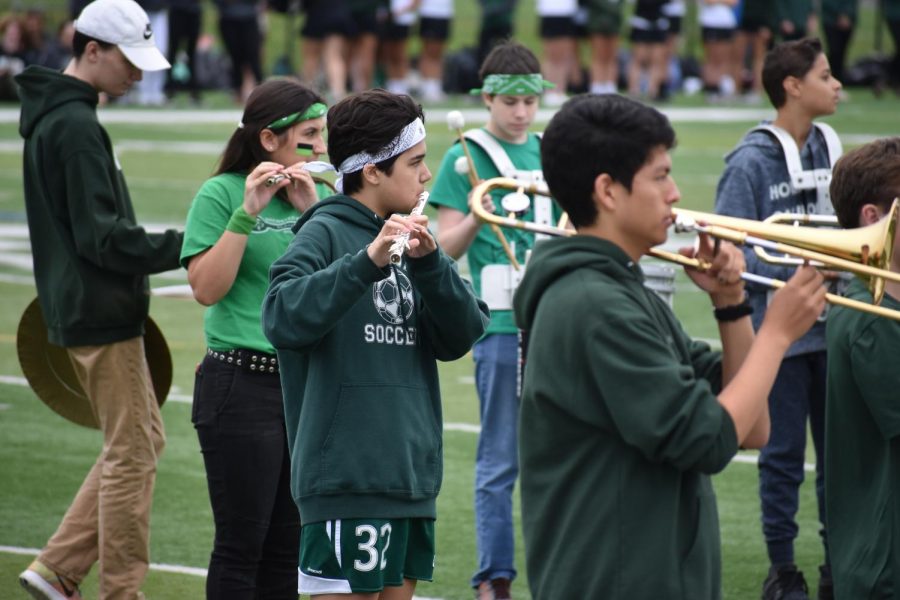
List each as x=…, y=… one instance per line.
x=862, y=415
x=511, y=91
x=357, y=340
x=625, y=417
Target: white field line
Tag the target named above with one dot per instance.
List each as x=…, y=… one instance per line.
x=463, y=427
x=196, y=571
x=472, y=116
x=215, y=148
x=153, y=566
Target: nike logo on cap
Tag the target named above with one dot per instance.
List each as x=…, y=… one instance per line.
x=148, y=32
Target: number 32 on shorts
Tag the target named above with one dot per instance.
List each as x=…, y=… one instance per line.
x=369, y=547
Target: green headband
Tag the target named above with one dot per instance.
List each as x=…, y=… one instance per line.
x=532, y=84
x=313, y=112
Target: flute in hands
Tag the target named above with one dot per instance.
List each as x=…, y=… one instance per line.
x=401, y=244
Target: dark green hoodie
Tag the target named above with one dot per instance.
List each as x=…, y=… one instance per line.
x=91, y=259
x=357, y=346
x=619, y=430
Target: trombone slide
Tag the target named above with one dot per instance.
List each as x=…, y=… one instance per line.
x=871, y=246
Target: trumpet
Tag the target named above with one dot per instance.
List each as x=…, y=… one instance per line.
x=401, y=244
x=864, y=251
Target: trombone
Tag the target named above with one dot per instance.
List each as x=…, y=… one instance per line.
x=456, y=122
x=864, y=251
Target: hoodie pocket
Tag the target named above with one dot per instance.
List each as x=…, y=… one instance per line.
x=383, y=439
x=701, y=564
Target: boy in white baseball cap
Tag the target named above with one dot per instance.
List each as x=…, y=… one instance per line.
x=90, y=270
x=124, y=24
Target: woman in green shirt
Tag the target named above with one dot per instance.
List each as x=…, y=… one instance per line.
x=239, y=223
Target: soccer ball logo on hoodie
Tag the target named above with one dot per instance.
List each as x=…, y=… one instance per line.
x=393, y=298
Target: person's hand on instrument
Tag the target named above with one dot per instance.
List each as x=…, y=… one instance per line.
x=722, y=280
x=424, y=241
x=301, y=192
x=487, y=203
x=257, y=194
x=796, y=307
x=379, y=250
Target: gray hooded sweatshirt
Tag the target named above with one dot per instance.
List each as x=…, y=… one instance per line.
x=755, y=185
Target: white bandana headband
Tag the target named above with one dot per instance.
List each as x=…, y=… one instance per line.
x=411, y=135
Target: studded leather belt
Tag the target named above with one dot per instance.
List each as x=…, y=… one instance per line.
x=252, y=361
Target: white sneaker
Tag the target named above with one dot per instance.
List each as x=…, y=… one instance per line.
x=44, y=584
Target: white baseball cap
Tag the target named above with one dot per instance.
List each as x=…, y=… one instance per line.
x=125, y=24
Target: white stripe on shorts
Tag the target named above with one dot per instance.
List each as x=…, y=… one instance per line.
x=310, y=584
x=337, y=542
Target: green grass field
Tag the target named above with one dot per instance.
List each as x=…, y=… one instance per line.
x=44, y=458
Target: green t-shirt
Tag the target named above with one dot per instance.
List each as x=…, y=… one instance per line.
x=862, y=449
x=451, y=189
x=234, y=321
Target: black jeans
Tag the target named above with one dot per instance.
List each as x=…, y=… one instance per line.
x=239, y=417
x=242, y=42
x=837, y=41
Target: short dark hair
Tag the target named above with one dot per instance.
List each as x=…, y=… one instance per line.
x=367, y=122
x=595, y=134
x=509, y=58
x=268, y=102
x=80, y=42
x=788, y=59
x=869, y=174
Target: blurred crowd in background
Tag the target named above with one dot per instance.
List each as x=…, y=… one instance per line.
x=602, y=46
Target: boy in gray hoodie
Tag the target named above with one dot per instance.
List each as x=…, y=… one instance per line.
x=782, y=167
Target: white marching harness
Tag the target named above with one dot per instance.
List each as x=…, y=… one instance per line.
x=813, y=179
x=499, y=281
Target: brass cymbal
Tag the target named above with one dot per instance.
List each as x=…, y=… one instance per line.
x=50, y=374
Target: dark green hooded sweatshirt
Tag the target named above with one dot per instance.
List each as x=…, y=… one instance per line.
x=619, y=431
x=357, y=346
x=91, y=259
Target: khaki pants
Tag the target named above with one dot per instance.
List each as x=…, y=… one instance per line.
x=109, y=519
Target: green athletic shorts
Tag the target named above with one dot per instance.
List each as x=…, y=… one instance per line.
x=362, y=556
x=604, y=16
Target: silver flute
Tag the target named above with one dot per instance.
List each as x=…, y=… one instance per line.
x=275, y=179
x=401, y=244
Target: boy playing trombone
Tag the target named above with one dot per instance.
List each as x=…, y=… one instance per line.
x=624, y=417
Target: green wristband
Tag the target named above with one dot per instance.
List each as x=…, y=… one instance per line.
x=240, y=222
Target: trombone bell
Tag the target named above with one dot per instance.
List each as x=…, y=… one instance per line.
x=864, y=251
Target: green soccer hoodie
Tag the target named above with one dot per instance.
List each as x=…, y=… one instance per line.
x=91, y=259
x=619, y=431
x=357, y=345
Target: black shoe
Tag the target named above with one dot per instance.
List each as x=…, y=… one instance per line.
x=495, y=589
x=785, y=583
x=826, y=586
